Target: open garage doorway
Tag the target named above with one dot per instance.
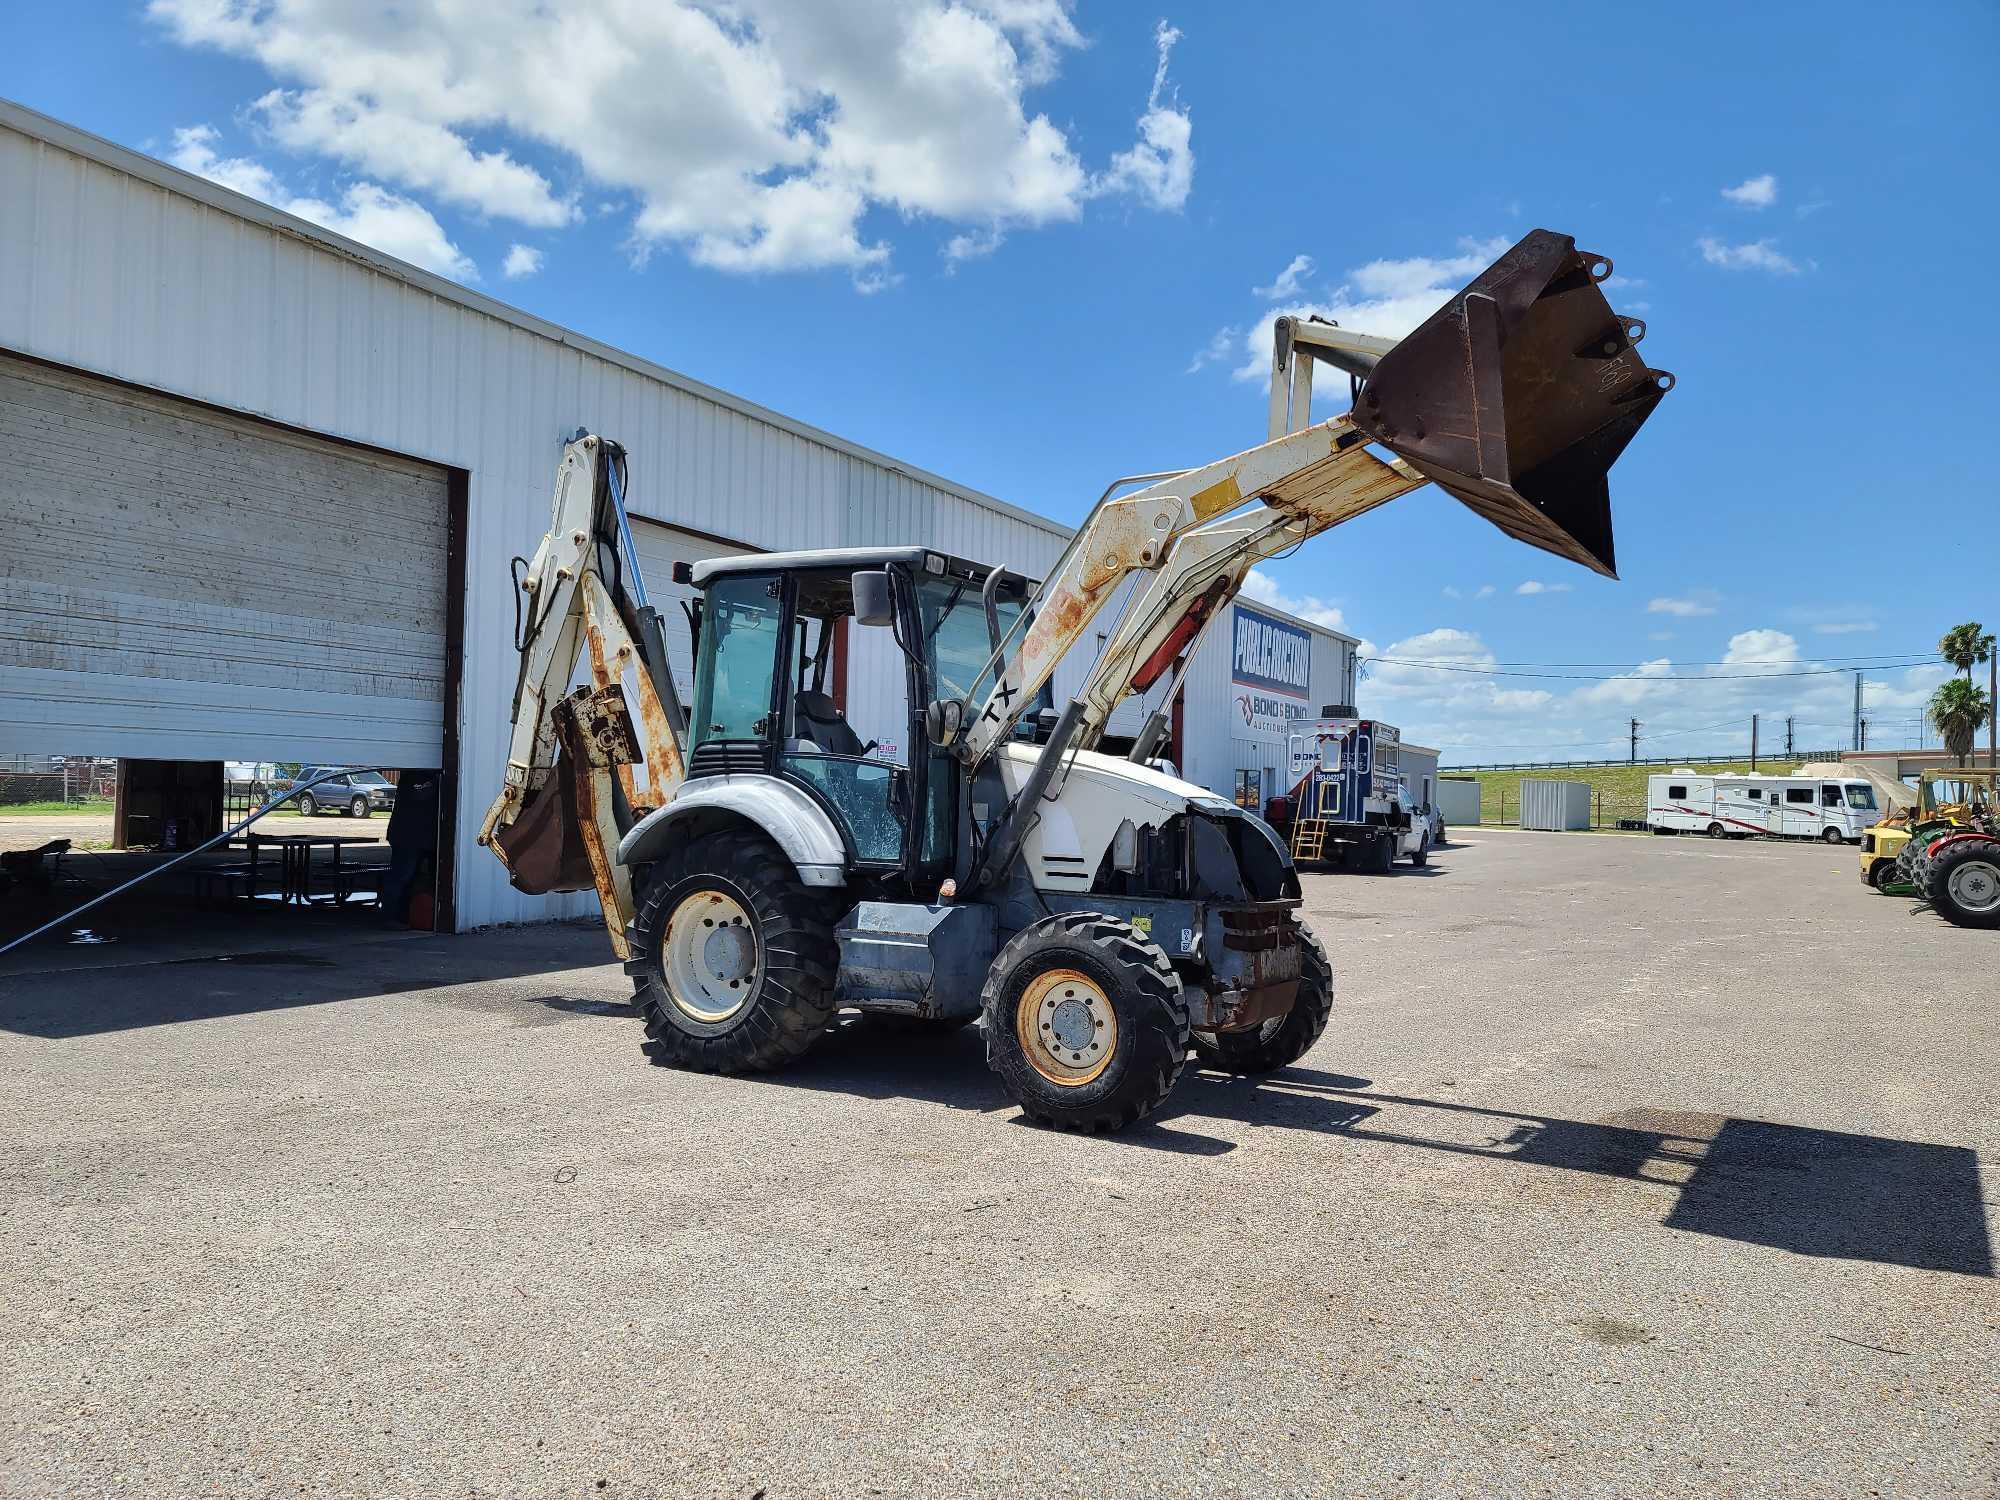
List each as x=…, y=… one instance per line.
x=200, y=609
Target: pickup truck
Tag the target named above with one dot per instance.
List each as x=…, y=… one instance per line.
x=1350, y=807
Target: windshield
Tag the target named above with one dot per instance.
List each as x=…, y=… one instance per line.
x=1861, y=795
x=956, y=648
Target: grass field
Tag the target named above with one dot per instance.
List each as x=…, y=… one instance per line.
x=1619, y=791
x=54, y=809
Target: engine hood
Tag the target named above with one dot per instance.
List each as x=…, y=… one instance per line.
x=1127, y=781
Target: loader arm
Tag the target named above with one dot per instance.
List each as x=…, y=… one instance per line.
x=571, y=788
x=1515, y=397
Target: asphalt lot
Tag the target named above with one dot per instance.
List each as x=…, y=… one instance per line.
x=1628, y=1166
x=92, y=829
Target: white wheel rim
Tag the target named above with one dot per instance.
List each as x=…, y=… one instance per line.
x=1975, y=887
x=711, y=957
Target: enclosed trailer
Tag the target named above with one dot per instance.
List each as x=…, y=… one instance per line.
x=1732, y=805
x=1555, y=806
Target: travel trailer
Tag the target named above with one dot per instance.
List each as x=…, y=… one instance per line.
x=1733, y=805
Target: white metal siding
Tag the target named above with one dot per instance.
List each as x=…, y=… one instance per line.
x=1458, y=800
x=182, y=584
x=114, y=263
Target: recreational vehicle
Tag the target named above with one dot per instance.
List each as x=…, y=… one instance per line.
x=1732, y=805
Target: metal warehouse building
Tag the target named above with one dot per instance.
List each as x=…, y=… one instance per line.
x=262, y=486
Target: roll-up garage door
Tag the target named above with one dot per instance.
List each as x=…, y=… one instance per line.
x=184, y=584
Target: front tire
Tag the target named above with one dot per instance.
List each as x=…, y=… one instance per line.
x=358, y=808
x=1965, y=884
x=1283, y=1040
x=1085, y=1022
x=1834, y=836
x=733, y=960
x=308, y=805
x=1421, y=855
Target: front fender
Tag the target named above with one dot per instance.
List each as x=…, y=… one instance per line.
x=790, y=818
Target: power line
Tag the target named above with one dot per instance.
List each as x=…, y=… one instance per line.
x=1618, y=666
x=1630, y=673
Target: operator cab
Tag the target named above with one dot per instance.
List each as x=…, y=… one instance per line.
x=774, y=666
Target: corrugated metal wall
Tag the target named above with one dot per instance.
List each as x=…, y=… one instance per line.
x=118, y=265
x=1555, y=806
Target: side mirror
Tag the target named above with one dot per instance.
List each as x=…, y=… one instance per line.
x=874, y=598
x=943, y=719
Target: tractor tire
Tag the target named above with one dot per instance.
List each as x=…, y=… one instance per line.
x=1085, y=1022
x=1282, y=1041
x=1882, y=873
x=733, y=959
x=1965, y=883
x=308, y=805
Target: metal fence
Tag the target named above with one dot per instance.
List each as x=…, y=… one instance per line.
x=72, y=781
x=1730, y=757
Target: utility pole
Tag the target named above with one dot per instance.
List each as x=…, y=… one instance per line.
x=1857, y=710
x=1993, y=707
x=1635, y=742
x=1753, y=742
x=1788, y=736
x=1864, y=736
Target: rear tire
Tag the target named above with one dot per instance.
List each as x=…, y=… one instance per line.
x=715, y=1001
x=1085, y=1022
x=1965, y=884
x=1717, y=831
x=1380, y=858
x=1280, y=1042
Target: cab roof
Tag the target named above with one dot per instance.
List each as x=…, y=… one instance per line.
x=919, y=559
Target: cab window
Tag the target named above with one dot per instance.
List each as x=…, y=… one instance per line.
x=739, y=659
x=1829, y=796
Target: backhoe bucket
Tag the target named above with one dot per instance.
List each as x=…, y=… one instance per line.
x=1519, y=394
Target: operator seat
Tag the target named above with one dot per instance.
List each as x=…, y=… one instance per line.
x=821, y=722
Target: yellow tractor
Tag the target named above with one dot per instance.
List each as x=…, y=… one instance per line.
x=1896, y=853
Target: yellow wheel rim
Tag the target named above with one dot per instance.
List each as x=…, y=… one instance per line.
x=1066, y=1026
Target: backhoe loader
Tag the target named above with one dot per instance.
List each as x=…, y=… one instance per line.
x=760, y=871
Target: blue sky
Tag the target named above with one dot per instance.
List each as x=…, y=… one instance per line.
x=1031, y=245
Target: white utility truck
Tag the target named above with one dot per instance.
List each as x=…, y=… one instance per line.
x=1734, y=805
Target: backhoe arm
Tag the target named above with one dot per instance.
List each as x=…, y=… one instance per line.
x=571, y=788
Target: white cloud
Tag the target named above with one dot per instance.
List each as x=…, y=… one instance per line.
x=1452, y=593
x=418, y=154
x=1484, y=591
x=1807, y=210
x=1659, y=635
x=522, y=260
x=1220, y=347
x=1286, y=283
x=367, y=212
x=1260, y=586
x=1386, y=297
x=1755, y=192
x=1846, y=627
x=751, y=136
x=1761, y=648
x=1698, y=602
x=1757, y=255
x=1159, y=168
x=1536, y=586
x=976, y=245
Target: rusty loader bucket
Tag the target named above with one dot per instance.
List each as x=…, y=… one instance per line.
x=1519, y=394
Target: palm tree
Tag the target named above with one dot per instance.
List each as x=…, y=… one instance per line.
x=1958, y=708
x=1965, y=646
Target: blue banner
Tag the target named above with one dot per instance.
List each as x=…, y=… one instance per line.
x=1271, y=654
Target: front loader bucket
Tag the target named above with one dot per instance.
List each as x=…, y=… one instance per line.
x=1519, y=394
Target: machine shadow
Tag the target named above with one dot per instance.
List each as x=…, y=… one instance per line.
x=60, y=1003
x=869, y=1062
x=1790, y=1187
